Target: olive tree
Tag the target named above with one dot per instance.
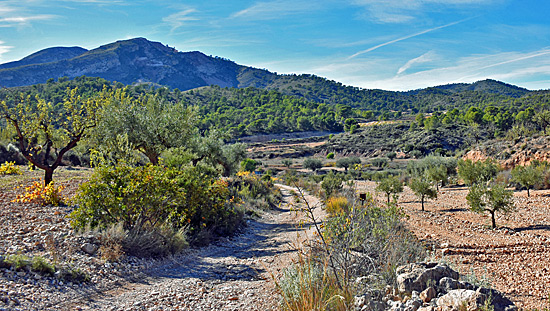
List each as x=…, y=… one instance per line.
x=390, y=185
x=496, y=198
x=347, y=162
x=151, y=124
x=312, y=164
x=423, y=189
x=45, y=132
x=528, y=176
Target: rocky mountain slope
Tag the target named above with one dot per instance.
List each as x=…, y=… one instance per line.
x=130, y=61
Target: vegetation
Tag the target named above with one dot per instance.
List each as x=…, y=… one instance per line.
x=312, y=164
x=358, y=240
x=45, y=131
x=347, y=163
x=423, y=189
x=493, y=199
x=477, y=172
x=529, y=175
x=391, y=186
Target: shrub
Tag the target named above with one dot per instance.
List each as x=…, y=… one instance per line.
x=331, y=184
x=39, y=264
x=9, y=168
x=40, y=194
x=330, y=155
x=312, y=164
x=369, y=240
x=153, y=198
x=390, y=185
x=336, y=206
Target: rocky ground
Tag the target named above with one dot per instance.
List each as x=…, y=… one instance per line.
x=515, y=258
x=232, y=274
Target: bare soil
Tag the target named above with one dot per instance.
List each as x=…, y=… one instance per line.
x=514, y=258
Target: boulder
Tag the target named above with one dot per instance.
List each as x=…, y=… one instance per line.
x=89, y=248
x=418, y=276
x=428, y=294
x=497, y=299
x=460, y=298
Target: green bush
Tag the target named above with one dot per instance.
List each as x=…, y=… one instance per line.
x=150, y=199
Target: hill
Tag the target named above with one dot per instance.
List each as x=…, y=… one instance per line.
x=129, y=61
x=138, y=61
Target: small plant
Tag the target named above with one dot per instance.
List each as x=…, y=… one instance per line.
x=19, y=262
x=40, y=194
x=9, y=168
x=41, y=265
x=330, y=155
x=336, y=205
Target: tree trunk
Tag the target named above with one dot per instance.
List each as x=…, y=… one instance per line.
x=528, y=195
x=389, y=199
x=422, y=200
x=48, y=176
x=493, y=222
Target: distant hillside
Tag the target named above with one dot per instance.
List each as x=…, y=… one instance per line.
x=140, y=61
x=129, y=61
x=48, y=55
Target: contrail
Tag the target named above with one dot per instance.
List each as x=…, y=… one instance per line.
x=543, y=52
x=406, y=37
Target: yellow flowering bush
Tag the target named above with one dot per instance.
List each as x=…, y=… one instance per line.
x=41, y=194
x=9, y=168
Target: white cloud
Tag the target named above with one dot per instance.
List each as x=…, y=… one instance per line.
x=178, y=19
x=13, y=21
x=4, y=49
x=274, y=9
x=424, y=58
x=402, y=11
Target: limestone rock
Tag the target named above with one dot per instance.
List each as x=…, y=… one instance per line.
x=417, y=276
x=459, y=298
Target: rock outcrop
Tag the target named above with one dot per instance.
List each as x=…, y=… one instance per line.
x=432, y=287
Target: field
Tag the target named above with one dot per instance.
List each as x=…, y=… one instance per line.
x=513, y=259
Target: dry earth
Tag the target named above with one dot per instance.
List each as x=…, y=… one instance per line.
x=515, y=258
x=232, y=274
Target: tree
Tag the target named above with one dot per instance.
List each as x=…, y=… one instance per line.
x=390, y=185
x=380, y=162
x=45, y=132
x=527, y=176
x=477, y=172
x=437, y=174
x=349, y=123
x=423, y=189
x=347, y=162
x=391, y=155
x=248, y=165
x=330, y=155
x=151, y=123
x=312, y=164
x=482, y=199
x=287, y=163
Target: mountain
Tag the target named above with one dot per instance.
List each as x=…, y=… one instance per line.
x=130, y=61
x=48, y=55
x=139, y=60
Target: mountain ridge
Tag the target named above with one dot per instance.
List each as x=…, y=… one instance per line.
x=139, y=60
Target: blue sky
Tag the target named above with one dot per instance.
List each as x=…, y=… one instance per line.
x=391, y=45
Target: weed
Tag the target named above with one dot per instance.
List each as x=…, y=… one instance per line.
x=39, y=264
x=19, y=262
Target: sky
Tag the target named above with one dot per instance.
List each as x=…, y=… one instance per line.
x=374, y=44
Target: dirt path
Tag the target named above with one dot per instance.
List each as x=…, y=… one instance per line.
x=515, y=258
x=233, y=274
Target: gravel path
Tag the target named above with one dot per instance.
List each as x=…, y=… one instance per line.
x=232, y=274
